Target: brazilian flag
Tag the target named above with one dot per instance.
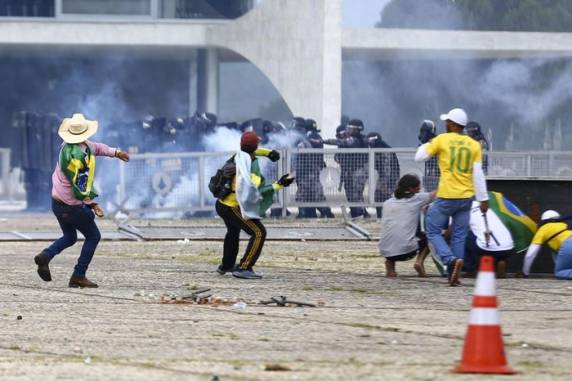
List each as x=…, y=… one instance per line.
x=521, y=227
x=79, y=168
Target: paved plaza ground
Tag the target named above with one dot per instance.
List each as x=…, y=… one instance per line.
x=365, y=326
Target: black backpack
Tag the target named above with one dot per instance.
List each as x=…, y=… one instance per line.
x=220, y=184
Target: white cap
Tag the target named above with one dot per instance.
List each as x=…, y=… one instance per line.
x=549, y=214
x=457, y=115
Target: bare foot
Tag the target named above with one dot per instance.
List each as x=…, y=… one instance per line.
x=390, y=269
x=420, y=270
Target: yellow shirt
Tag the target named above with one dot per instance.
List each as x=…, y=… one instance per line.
x=457, y=153
x=549, y=230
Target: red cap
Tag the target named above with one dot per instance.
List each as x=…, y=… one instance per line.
x=249, y=141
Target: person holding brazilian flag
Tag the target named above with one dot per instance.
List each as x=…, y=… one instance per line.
x=73, y=196
x=504, y=229
x=245, y=205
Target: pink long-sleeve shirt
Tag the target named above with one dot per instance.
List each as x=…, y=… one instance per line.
x=61, y=187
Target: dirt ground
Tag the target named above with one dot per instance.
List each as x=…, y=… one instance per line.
x=365, y=326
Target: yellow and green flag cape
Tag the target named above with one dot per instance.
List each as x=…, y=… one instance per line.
x=79, y=167
x=521, y=227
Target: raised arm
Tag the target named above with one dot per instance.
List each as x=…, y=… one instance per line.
x=422, y=154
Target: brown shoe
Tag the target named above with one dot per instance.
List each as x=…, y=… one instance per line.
x=470, y=274
x=501, y=270
x=83, y=282
x=42, y=260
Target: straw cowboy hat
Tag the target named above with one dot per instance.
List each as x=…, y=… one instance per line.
x=77, y=129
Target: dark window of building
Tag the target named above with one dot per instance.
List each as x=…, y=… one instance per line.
x=205, y=9
x=107, y=7
x=27, y=8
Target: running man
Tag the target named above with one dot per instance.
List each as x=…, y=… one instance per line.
x=462, y=179
x=73, y=197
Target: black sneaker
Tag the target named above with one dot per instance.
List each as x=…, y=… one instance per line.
x=221, y=270
x=246, y=274
x=454, y=271
x=42, y=260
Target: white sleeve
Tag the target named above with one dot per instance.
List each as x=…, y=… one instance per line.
x=426, y=197
x=480, y=183
x=421, y=154
x=531, y=254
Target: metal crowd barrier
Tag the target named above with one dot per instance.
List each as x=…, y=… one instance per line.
x=165, y=184
x=156, y=183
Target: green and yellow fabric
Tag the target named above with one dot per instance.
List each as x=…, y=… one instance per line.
x=78, y=165
x=521, y=227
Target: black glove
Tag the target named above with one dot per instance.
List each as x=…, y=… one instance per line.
x=286, y=180
x=274, y=155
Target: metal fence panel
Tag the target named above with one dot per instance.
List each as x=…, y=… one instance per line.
x=171, y=184
x=541, y=165
x=352, y=177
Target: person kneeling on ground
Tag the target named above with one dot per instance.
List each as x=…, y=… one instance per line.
x=553, y=231
x=496, y=242
x=401, y=238
x=73, y=194
x=244, y=207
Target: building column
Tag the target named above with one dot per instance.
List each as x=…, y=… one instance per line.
x=193, y=83
x=301, y=54
x=212, y=73
x=207, y=80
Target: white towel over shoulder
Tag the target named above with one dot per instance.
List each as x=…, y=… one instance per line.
x=247, y=193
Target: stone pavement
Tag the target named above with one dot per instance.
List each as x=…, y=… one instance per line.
x=366, y=327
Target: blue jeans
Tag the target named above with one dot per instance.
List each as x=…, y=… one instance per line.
x=72, y=218
x=438, y=220
x=563, y=268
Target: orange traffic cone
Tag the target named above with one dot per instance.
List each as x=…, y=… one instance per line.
x=484, y=347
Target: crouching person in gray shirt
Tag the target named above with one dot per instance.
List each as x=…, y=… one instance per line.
x=401, y=237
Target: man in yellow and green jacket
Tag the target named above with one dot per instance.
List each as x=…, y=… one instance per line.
x=246, y=204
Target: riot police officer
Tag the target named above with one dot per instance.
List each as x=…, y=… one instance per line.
x=387, y=167
x=427, y=131
x=38, y=150
x=473, y=129
x=354, y=167
x=308, y=167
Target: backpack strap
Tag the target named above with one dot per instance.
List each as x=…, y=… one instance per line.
x=555, y=235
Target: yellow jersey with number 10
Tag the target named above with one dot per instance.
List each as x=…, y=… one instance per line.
x=457, y=153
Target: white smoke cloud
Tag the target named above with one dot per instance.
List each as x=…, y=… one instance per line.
x=222, y=139
x=515, y=85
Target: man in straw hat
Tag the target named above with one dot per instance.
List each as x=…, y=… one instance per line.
x=73, y=194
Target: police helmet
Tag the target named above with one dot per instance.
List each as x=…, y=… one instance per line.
x=311, y=125
x=473, y=129
x=427, y=131
x=341, y=132
x=354, y=127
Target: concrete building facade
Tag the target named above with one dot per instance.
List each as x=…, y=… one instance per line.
x=298, y=44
